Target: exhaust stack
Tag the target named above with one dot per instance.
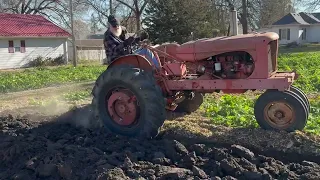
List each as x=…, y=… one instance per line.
x=233, y=22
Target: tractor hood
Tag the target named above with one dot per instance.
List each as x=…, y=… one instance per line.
x=203, y=48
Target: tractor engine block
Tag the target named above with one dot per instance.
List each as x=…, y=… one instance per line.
x=233, y=65
x=236, y=65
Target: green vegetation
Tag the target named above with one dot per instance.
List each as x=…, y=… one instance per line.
x=306, y=63
x=184, y=20
x=230, y=110
x=40, y=77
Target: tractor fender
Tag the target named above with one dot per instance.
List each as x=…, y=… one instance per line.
x=136, y=60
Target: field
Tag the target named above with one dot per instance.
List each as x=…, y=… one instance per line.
x=43, y=135
x=44, y=76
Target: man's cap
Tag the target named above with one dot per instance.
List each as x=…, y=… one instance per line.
x=113, y=21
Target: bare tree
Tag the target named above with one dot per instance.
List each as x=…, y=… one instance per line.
x=55, y=10
x=254, y=14
x=28, y=6
x=311, y=5
x=137, y=7
x=244, y=17
x=93, y=24
x=81, y=29
x=269, y=13
x=101, y=10
x=126, y=9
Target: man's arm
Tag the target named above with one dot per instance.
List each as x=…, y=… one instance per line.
x=124, y=33
x=111, y=46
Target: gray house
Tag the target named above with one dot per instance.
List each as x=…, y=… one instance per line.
x=297, y=27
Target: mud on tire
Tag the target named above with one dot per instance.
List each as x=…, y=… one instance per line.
x=150, y=110
x=296, y=119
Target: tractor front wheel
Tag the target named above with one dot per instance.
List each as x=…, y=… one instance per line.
x=276, y=110
x=302, y=95
x=129, y=102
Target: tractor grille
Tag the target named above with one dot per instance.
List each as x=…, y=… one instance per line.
x=272, y=56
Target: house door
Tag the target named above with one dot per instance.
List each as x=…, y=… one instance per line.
x=303, y=35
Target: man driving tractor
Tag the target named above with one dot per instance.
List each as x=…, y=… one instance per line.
x=116, y=42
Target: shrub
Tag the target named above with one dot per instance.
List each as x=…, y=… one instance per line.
x=37, y=62
x=40, y=61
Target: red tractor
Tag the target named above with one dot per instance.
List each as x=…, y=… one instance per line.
x=132, y=96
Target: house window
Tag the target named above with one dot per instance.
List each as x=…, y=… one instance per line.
x=304, y=34
x=20, y=48
x=284, y=34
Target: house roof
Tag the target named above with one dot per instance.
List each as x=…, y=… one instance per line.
x=301, y=18
x=291, y=18
x=27, y=25
x=317, y=15
x=309, y=18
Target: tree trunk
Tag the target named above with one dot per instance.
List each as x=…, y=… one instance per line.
x=244, y=17
x=110, y=7
x=138, y=21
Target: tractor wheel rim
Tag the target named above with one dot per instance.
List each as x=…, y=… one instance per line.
x=279, y=114
x=122, y=107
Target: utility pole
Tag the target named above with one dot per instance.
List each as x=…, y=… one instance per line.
x=73, y=36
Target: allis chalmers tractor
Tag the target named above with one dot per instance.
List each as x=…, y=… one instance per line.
x=132, y=96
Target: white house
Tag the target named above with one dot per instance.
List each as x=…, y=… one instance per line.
x=297, y=27
x=25, y=37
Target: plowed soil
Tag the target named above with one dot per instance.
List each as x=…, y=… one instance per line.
x=59, y=149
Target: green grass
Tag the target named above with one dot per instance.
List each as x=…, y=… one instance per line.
x=34, y=78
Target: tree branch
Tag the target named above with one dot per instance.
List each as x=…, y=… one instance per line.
x=126, y=4
x=144, y=5
x=97, y=9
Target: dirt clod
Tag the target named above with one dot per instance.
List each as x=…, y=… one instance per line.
x=52, y=150
x=45, y=170
x=198, y=172
x=242, y=152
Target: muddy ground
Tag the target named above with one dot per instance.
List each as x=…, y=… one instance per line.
x=59, y=148
x=40, y=143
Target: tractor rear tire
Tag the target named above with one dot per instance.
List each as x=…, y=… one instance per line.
x=287, y=105
x=190, y=105
x=129, y=102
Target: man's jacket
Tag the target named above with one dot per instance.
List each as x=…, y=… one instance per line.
x=114, y=46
